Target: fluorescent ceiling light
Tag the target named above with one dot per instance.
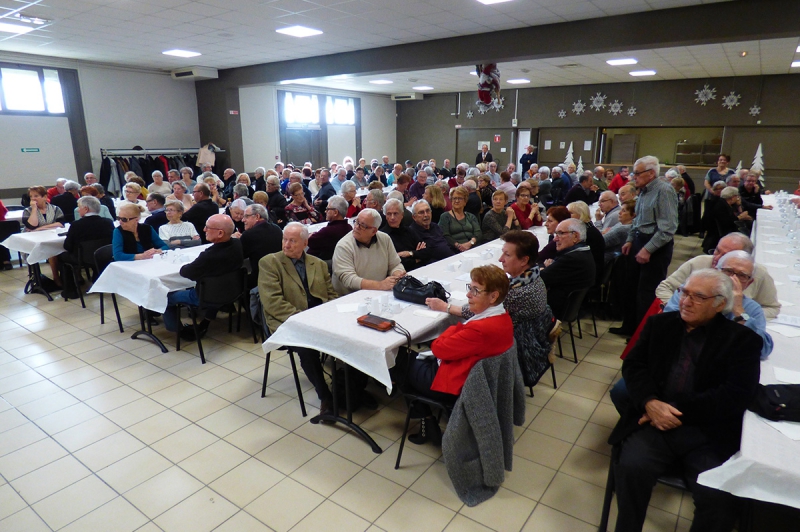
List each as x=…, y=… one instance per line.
x=13, y=28
x=423, y=88
x=299, y=31
x=518, y=81
x=798, y=50
x=181, y=53
x=381, y=82
x=624, y=61
x=795, y=64
x=638, y=73
x=473, y=73
x=490, y=2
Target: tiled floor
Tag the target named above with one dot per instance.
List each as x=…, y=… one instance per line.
x=101, y=432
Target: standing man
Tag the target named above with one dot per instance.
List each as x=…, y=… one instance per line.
x=649, y=244
x=484, y=156
x=607, y=213
x=528, y=158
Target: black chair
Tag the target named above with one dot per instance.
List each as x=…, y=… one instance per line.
x=102, y=258
x=266, y=334
x=598, y=294
x=8, y=228
x=220, y=291
x=571, y=313
x=86, y=252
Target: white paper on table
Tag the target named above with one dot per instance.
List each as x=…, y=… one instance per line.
x=787, y=319
x=794, y=278
x=777, y=283
x=460, y=296
x=786, y=375
x=789, y=429
x=424, y=354
x=470, y=255
x=785, y=303
x=445, y=284
x=347, y=307
x=403, y=304
x=773, y=264
x=773, y=252
x=464, y=277
x=780, y=239
x=426, y=313
x=784, y=330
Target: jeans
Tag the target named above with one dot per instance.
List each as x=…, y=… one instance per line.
x=186, y=297
x=620, y=396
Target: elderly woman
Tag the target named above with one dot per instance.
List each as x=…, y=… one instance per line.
x=91, y=191
x=40, y=216
x=132, y=193
x=348, y=192
x=434, y=196
x=580, y=210
x=244, y=179
x=260, y=182
x=616, y=236
x=555, y=215
x=236, y=212
x=158, y=185
x=261, y=198
x=461, y=229
x=527, y=213
x=359, y=178
x=215, y=186
x=405, y=241
x=499, y=219
x=299, y=209
x=175, y=227
x=133, y=240
x=444, y=184
x=180, y=193
x=186, y=177
x=485, y=191
x=316, y=183
x=488, y=332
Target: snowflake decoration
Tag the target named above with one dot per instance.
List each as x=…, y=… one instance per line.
x=496, y=104
x=562, y=114
x=731, y=100
x=578, y=107
x=615, y=107
x=631, y=110
x=705, y=95
x=598, y=101
x=499, y=104
x=470, y=114
x=755, y=110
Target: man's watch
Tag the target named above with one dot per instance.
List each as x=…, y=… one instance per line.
x=741, y=318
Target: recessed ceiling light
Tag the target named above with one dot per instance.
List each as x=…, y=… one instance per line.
x=638, y=73
x=518, y=81
x=624, y=61
x=299, y=31
x=743, y=54
x=19, y=17
x=795, y=64
x=423, y=88
x=181, y=53
x=473, y=73
x=381, y=81
x=490, y=2
x=798, y=50
x=13, y=28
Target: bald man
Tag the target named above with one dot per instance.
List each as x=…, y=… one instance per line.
x=223, y=256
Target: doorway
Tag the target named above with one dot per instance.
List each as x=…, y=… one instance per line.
x=302, y=145
x=468, y=145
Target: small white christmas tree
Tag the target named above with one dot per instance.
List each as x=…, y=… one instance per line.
x=579, y=169
x=758, y=161
x=739, y=166
x=569, y=160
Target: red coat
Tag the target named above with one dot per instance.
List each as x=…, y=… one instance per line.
x=461, y=347
x=617, y=183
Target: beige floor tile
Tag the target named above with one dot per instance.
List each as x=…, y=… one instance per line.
x=66, y=418
x=47, y=480
x=285, y=505
x=19, y=437
x=605, y=415
x=155, y=382
x=134, y=412
x=30, y=458
x=86, y=433
x=171, y=359
x=687, y=507
x=19, y=380
x=94, y=387
x=132, y=470
x=582, y=387
x=595, y=372
x=609, y=360
x=200, y=406
x=367, y=495
x=190, y=368
x=337, y=470
x=26, y=520
x=201, y=512
x=351, y=446
x=135, y=372
x=76, y=377
x=116, y=363
x=100, y=353
x=262, y=405
x=74, y=502
x=243, y=522
x=289, y=453
x=505, y=511
x=236, y=389
x=159, y=426
x=256, y=436
x=659, y=521
x=214, y=461
x=557, y=425
x=246, y=482
x=387, y=422
x=435, y=484
x=287, y=415
x=666, y=498
x=47, y=357
x=163, y=491
x=244, y=364
x=105, y=452
x=10, y=419
x=528, y=478
x=10, y=501
x=542, y=449
x=546, y=519
x=595, y=437
x=226, y=420
x=114, y=399
x=176, y=394
x=684, y=525
x=47, y=404
x=586, y=465
x=428, y=516
x=571, y=405
x=412, y=465
x=331, y=517
x=542, y=393
x=32, y=392
x=184, y=443
x=212, y=378
x=463, y=524
x=118, y=515
x=575, y=497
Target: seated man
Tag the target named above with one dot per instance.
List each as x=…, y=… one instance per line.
x=585, y=190
x=68, y=201
x=326, y=191
x=158, y=215
x=407, y=244
x=90, y=226
x=436, y=245
x=727, y=213
x=224, y=256
x=762, y=290
x=291, y=281
x=691, y=376
x=572, y=268
x=203, y=209
x=607, y=213
x=322, y=243
x=261, y=237
x=364, y=258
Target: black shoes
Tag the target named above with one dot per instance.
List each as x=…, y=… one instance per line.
x=69, y=295
x=621, y=331
x=8, y=266
x=429, y=431
x=187, y=330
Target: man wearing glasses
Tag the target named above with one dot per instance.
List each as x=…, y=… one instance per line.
x=572, y=268
x=322, y=243
x=607, y=213
x=203, y=209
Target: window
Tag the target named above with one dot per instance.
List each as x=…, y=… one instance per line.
x=31, y=89
x=301, y=109
x=341, y=111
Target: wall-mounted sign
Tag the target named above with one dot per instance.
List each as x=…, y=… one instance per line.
x=29, y=150
x=234, y=112
x=497, y=138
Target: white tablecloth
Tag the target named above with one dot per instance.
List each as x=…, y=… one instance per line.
x=15, y=215
x=146, y=283
x=767, y=467
x=39, y=245
x=336, y=333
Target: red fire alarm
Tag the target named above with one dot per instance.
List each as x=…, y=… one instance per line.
x=497, y=138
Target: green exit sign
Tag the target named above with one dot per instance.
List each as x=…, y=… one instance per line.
x=29, y=150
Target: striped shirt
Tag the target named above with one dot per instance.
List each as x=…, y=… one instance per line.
x=656, y=214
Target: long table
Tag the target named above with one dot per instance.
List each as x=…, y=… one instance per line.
x=38, y=246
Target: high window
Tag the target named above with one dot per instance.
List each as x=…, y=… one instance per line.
x=31, y=89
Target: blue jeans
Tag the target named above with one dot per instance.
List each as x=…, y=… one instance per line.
x=188, y=297
x=619, y=396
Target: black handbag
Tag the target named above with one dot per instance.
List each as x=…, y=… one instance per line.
x=411, y=289
x=777, y=402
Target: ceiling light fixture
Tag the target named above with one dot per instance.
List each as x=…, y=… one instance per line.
x=623, y=61
x=423, y=88
x=13, y=28
x=181, y=53
x=381, y=81
x=299, y=31
x=639, y=73
x=490, y=2
x=798, y=50
x=518, y=81
x=795, y=64
x=743, y=54
x=473, y=73
x=19, y=17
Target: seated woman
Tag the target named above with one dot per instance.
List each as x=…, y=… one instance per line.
x=594, y=238
x=348, y=192
x=91, y=191
x=435, y=198
x=244, y=179
x=132, y=192
x=261, y=197
x=405, y=241
x=500, y=219
x=132, y=240
x=527, y=213
x=485, y=190
x=40, y=216
x=216, y=187
x=617, y=235
x=461, y=229
x=179, y=192
x=186, y=178
x=299, y=210
x=445, y=186
x=555, y=215
x=236, y=212
x=175, y=227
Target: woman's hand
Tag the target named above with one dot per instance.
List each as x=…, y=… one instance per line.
x=434, y=303
x=511, y=214
x=149, y=254
x=196, y=237
x=548, y=262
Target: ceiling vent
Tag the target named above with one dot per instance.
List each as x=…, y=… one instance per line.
x=194, y=73
x=408, y=96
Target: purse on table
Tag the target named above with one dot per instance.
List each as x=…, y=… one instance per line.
x=411, y=289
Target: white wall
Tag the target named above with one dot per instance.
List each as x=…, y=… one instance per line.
x=378, y=127
x=259, y=116
x=341, y=143
x=55, y=158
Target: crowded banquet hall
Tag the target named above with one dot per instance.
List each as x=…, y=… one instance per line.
x=503, y=265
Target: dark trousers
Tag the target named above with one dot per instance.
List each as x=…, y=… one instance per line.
x=66, y=276
x=648, y=454
x=643, y=279
x=312, y=366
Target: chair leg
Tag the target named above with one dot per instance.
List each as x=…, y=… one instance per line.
x=102, y=310
x=75, y=274
x=266, y=374
x=193, y=312
x=403, y=438
x=560, y=351
x=609, y=495
x=553, y=373
x=580, y=332
x=530, y=390
x=297, y=383
x=116, y=311
x=572, y=337
x=180, y=326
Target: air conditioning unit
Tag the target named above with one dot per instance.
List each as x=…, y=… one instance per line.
x=194, y=73
x=408, y=96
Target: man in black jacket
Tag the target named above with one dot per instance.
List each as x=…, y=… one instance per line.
x=573, y=267
x=585, y=190
x=203, y=209
x=326, y=191
x=690, y=376
x=436, y=246
x=89, y=227
x=158, y=214
x=68, y=201
x=261, y=237
x=105, y=200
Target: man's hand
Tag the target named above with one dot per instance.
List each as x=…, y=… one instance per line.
x=598, y=215
x=738, y=297
x=626, y=248
x=661, y=415
x=745, y=217
x=420, y=246
x=388, y=283
x=643, y=257
x=548, y=262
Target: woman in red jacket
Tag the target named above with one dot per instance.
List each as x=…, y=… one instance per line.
x=488, y=333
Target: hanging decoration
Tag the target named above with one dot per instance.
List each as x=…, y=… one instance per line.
x=631, y=110
x=731, y=100
x=598, y=101
x=562, y=114
x=470, y=114
x=705, y=94
x=488, y=88
x=615, y=107
x=739, y=166
x=755, y=110
x=578, y=107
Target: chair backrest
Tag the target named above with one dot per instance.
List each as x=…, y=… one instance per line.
x=15, y=207
x=574, y=302
x=222, y=289
x=88, y=248
x=8, y=228
x=608, y=269
x=103, y=256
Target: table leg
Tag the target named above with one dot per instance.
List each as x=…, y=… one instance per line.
x=348, y=421
x=147, y=331
x=34, y=283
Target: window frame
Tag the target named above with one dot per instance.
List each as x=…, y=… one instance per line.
x=299, y=125
x=40, y=73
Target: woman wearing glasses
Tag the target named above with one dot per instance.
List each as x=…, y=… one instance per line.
x=132, y=192
x=175, y=227
x=298, y=210
x=132, y=240
x=461, y=229
x=527, y=213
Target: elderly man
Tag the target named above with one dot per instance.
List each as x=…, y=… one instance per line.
x=599, y=178
x=339, y=178
x=322, y=243
x=229, y=180
x=458, y=178
x=436, y=245
x=607, y=213
x=242, y=192
x=649, y=245
x=156, y=205
x=326, y=191
x=750, y=193
x=561, y=184
x=407, y=244
x=260, y=237
x=276, y=204
x=387, y=166
x=364, y=258
x=224, y=256
x=89, y=178
x=88, y=227
x=291, y=281
x=68, y=201
x=394, y=174
x=417, y=189
x=762, y=289
x=105, y=200
x=203, y=209
x=528, y=158
x=474, y=203
x=172, y=176
x=627, y=192
x=491, y=171
x=445, y=172
x=585, y=190
x=572, y=268
x=728, y=214
x=484, y=156
x=56, y=190
x=690, y=377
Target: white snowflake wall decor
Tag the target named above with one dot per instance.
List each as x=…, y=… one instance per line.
x=470, y=114
x=578, y=107
x=615, y=107
x=598, y=101
x=562, y=114
x=731, y=100
x=755, y=110
x=705, y=94
x=631, y=110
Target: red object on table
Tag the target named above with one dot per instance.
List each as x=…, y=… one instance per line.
x=655, y=308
